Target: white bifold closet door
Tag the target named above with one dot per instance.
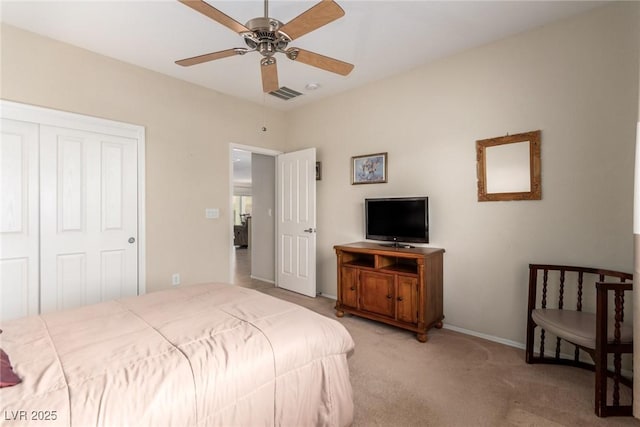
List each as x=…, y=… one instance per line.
x=19, y=220
x=88, y=220
x=68, y=218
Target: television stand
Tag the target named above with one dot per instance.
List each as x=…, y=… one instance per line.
x=396, y=245
x=395, y=285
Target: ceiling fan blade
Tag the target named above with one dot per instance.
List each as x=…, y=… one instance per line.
x=207, y=57
x=319, y=61
x=269, y=74
x=321, y=14
x=213, y=13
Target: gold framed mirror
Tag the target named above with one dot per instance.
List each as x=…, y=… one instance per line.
x=509, y=167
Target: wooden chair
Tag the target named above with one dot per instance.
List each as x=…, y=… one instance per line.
x=558, y=311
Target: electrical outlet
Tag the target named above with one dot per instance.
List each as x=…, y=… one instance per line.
x=175, y=279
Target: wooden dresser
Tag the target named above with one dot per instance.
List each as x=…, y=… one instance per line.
x=398, y=286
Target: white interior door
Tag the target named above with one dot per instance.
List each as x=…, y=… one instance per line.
x=19, y=264
x=88, y=184
x=296, y=240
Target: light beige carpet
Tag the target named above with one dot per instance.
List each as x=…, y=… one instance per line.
x=456, y=380
x=453, y=379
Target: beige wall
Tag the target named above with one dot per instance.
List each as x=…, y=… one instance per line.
x=575, y=80
x=188, y=130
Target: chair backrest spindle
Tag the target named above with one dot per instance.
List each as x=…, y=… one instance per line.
x=580, y=279
x=561, y=290
x=545, y=279
x=619, y=310
x=622, y=302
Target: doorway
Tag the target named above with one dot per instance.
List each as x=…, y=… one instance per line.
x=252, y=219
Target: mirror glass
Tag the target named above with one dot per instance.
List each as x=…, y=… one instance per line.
x=509, y=167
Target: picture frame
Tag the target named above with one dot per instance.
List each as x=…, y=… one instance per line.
x=318, y=171
x=369, y=169
x=508, y=167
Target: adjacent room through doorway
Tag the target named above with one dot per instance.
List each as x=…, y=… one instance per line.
x=253, y=213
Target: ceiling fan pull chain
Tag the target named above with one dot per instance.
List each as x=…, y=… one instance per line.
x=264, y=112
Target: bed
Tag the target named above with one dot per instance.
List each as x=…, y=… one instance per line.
x=212, y=354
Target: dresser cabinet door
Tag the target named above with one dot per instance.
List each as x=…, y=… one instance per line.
x=349, y=287
x=377, y=293
x=407, y=300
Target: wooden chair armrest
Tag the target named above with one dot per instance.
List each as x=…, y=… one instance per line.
x=602, y=312
x=614, y=286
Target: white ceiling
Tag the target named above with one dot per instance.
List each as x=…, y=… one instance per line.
x=380, y=38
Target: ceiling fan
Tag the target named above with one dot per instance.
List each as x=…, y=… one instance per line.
x=269, y=36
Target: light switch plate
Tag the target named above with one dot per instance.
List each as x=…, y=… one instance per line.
x=212, y=213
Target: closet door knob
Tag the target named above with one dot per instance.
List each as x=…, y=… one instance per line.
x=132, y=239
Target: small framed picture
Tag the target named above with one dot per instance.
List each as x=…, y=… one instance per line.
x=318, y=171
x=369, y=169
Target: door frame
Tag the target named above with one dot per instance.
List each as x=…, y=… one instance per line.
x=257, y=150
x=46, y=116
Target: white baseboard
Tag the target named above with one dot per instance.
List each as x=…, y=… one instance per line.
x=262, y=279
x=485, y=336
x=333, y=297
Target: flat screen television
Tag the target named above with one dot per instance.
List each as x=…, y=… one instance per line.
x=397, y=219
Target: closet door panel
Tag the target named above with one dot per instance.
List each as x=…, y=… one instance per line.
x=72, y=284
x=19, y=231
x=70, y=179
x=89, y=214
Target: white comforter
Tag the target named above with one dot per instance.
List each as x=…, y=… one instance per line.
x=210, y=354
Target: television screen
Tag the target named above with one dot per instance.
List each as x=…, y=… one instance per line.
x=400, y=219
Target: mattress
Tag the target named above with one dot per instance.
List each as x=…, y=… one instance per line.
x=211, y=354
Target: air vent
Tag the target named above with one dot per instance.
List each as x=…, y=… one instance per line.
x=285, y=93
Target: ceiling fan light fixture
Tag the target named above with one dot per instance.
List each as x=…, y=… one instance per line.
x=268, y=36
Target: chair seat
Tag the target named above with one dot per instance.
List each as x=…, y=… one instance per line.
x=577, y=327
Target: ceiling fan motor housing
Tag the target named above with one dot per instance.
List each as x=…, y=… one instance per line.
x=265, y=37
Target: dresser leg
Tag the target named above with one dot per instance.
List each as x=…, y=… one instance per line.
x=421, y=336
x=339, y=313
x=438, y=325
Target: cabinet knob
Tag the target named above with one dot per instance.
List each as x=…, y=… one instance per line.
x=400, y=299
x=389, y=296
x=353, y=288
